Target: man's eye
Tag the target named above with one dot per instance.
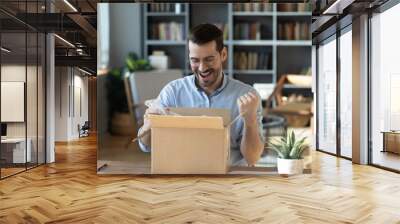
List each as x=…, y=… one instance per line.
x=194, y=61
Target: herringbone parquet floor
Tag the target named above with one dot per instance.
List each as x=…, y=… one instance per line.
x=69, y=191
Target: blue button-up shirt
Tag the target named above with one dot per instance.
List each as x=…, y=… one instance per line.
x=184, y=92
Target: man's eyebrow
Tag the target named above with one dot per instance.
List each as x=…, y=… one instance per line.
x=208, y=57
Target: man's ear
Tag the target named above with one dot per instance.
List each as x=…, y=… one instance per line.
x=224, y=54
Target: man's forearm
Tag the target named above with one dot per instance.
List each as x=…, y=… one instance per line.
x=251, y=145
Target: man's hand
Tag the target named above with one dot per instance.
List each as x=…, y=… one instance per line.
x=248, y=105
x=146, y=121
x=146, y=139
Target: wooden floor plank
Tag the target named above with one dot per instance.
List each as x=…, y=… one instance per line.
x=70, y=191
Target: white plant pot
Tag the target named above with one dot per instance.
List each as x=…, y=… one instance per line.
x=290, y=166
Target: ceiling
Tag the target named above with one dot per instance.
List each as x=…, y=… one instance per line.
x=328, y=16
x=74, y=21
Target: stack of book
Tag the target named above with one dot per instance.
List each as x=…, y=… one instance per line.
x=252, y=7
x=251, y=60
x=293, y=31
x=292, y=7
x=252, y=31
x=166, y=31
x=166, y=7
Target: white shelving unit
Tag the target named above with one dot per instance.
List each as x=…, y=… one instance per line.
x=279, y=61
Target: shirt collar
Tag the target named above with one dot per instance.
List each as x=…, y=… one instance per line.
x=225, y=80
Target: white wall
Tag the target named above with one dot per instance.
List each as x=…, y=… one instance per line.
x=128, y=35
x=71, y=93
x=16, y=73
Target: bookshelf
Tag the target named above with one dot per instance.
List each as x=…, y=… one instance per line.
x=276, y=37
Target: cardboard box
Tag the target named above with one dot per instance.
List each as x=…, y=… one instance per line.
x=195, y=142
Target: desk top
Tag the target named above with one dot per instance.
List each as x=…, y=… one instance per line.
x=391, y=132
x=13, y=140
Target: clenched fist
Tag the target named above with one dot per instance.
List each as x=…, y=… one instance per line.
x=248, y=105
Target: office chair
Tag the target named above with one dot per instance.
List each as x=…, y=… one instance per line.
x=142, y=86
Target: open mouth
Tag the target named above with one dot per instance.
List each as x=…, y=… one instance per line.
x=205, y=74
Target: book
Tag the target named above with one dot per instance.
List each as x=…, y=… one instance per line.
x=165, y=7
x=252, y=31
x=252, y=7
x=167, y=31
x=293, y=31
x=251, y=60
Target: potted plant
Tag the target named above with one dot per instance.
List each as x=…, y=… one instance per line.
x=120, y=119
x=290, y=154
x=133, y=63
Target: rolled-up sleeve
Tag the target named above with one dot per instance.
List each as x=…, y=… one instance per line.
x=142, y=146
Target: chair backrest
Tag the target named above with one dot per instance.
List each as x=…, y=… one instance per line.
x=144, y=85
x=86, y=125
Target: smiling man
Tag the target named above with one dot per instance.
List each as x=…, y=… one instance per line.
x=209, y=87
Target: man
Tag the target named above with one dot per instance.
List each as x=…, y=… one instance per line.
x=210, y=88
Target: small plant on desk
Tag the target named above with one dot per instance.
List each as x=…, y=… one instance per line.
x=290, y=153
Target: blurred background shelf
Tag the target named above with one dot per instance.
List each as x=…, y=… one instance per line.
x=264, y=40
x=165, y=14
x=164, y=42
x=255, y=72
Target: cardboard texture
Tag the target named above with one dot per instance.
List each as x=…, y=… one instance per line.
x=191, y=143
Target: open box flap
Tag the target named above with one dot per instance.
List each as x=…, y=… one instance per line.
x=186, y=111
x=173, y=121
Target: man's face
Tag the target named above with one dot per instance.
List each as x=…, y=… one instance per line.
x=206, y=63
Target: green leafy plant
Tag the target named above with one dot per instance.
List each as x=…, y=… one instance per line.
x=116, y=92
x=115, y=82
x=288, y=147
x=133, y=63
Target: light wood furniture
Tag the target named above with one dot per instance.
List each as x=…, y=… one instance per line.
x=13, y=150
x=297, y=114
x=391, y=141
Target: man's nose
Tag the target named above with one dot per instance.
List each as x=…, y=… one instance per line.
x=202, y=67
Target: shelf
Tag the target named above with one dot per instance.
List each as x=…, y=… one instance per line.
x=291, y=86
x=253, y=13
x=294, y=42
x=294, y=13
x=277, y=49
x=165, y=14
x=253, y=42
x=165, y=42
x=254, y=72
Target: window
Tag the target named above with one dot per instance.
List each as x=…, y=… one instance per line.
x=327, y=96
x=385, y=88
x=346, y=93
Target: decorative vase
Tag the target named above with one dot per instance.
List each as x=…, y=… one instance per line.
x=290, y=166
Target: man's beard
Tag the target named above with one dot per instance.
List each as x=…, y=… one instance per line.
x=207, y=78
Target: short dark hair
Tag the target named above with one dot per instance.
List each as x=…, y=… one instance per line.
x=204, y=33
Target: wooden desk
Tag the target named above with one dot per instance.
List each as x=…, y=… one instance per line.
x=391, y=141
x=13, y=150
